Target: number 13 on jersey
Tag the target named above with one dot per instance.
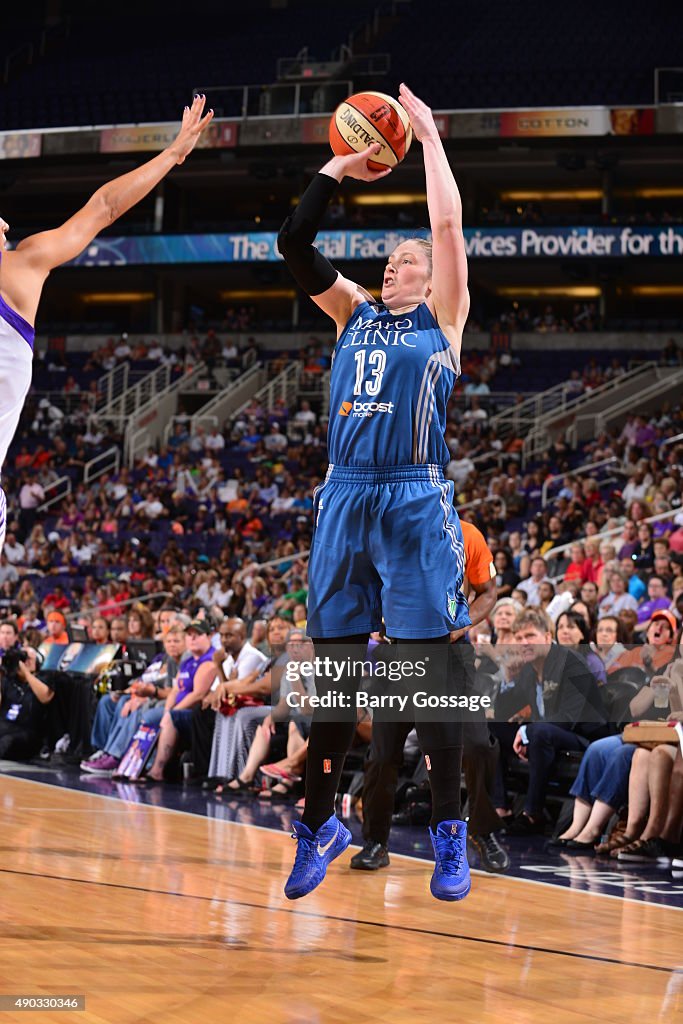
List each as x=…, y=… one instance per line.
x=377, y=361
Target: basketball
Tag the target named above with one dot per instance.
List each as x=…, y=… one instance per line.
x=369, y=117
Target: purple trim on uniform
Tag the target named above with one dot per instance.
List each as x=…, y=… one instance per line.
x=16, y=321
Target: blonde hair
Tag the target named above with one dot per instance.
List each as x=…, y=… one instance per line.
x=426, y=247
x=534, y=617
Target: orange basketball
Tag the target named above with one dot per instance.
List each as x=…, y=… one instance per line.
x=368, y=117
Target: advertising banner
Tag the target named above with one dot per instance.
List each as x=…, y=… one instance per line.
x=442, y=122
x=270, y=131
x=480, y=243
x=154, y=137
x=132, y=138
x=525, y=124
x=632, y=120
x=281, y=131
x=669, y=119
x=19, y=145
x=314, y=130
x=474, y=124
x=61, y=143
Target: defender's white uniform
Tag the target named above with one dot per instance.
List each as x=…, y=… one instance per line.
x=16, y=358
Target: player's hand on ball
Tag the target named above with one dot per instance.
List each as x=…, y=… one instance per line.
x=421, y=117
x=355, y=165
x=192, y=127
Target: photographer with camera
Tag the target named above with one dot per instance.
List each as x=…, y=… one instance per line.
x=23, y=697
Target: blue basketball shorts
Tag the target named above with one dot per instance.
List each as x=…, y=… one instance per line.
x=387, y=547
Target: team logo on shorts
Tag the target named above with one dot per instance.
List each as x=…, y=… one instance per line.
x=452, y=602
x=327, y=766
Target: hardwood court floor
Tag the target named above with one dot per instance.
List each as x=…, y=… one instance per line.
x=164, y=917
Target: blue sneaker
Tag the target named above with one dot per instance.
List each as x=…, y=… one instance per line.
x=451, y=878
x=315, y=850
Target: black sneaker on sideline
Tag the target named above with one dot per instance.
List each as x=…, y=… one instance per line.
x=414, y=813
x=523, y=825
x=372, y=857
x=492, y=856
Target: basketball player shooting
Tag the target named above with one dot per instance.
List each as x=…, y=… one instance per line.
x=388, y=542
x=23, y=271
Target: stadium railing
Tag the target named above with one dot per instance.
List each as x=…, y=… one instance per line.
x=142, y=599
x=609, y=534
x=671, y=440
x=285, y=387
x=579, y=472
x=562, y=419
x=129, y=399
x=146, y=426
x=57, y=491
x=112, y=384
x=299, y=556
x=590, y=424
x=108, y=461
x=223, y=405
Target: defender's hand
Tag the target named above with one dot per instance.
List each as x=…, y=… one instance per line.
x=192, y=127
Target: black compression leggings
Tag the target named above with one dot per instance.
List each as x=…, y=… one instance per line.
x=332, y=734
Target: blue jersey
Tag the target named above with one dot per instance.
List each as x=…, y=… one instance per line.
x=392, y=376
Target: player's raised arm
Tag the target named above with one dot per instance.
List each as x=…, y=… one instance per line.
x=49, y=249
x=449, y=296
x=332, y=292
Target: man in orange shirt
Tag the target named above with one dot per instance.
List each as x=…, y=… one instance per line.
x=480, y=750
x=480, y=576
x=658, y=650
x=56, y=629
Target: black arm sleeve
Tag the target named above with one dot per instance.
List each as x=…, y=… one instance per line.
x=311, y=270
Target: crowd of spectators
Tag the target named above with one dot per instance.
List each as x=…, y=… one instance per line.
x=344, y=213
x=517, y=214
x=582, y=317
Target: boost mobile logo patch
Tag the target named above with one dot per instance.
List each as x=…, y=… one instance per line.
x=362, y=409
